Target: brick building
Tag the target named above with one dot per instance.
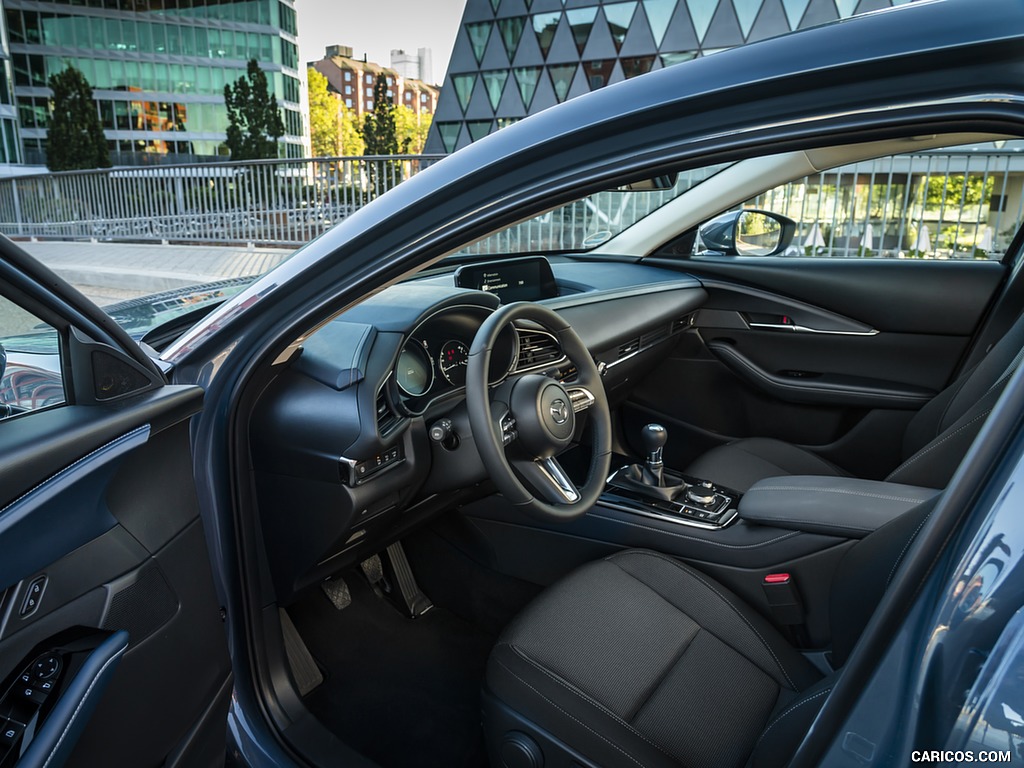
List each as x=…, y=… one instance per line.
x=353, y=81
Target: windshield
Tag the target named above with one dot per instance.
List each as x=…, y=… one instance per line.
x=586, y=223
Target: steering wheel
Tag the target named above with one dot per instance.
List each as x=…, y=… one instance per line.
x=521, y=426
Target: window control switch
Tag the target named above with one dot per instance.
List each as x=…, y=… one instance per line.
x=10, y=732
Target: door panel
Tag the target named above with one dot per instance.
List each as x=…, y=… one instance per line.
x=898, y=295
x=105, y=554
x=832, y=354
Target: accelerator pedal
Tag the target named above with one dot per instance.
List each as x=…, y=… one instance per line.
x=305, y=672
x=416, y=603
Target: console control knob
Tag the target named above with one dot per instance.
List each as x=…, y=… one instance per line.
x=703, y=494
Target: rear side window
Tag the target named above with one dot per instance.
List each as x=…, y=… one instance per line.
x=30, y=363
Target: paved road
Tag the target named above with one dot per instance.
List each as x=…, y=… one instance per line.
x=111, y=272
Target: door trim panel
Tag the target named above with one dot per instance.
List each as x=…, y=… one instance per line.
x=54, y=741
x=58, y=505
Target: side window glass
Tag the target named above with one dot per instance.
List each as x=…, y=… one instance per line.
x=30, y=365
x=954, y=203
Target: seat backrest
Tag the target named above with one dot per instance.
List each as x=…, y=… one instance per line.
x=940, y=433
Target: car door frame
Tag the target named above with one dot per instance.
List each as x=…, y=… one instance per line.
x=107, y=567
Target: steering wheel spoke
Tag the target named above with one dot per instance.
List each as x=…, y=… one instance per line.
x=546, y=478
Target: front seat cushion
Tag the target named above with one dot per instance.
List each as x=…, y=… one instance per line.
x=638, y=660
x=741, y=463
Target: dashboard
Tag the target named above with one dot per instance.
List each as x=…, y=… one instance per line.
x=365, y=433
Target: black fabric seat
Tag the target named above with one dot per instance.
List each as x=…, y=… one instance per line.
x=639, y=660
x=934, y=442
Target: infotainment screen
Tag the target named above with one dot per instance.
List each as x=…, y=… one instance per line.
x=527, y=279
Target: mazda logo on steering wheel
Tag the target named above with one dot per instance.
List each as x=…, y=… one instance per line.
x=559, y=411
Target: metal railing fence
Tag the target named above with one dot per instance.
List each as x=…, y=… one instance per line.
x=939, y=204
x=932, y=205
x=265, y=202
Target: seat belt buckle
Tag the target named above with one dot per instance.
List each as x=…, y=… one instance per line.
x=783, y=598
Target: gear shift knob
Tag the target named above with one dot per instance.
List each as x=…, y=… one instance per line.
x=652, y=439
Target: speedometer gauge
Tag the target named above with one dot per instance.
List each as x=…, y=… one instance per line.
x=415, y=370
x=452, y=361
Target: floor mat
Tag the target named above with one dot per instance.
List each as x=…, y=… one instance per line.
x=403, y=692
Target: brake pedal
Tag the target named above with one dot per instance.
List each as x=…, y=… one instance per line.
x=373, y=569
x=337, y=592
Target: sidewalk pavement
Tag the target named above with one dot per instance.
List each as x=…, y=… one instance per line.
x=112, y=272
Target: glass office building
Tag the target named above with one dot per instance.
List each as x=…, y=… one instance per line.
x=157, y=67
x=513, y=58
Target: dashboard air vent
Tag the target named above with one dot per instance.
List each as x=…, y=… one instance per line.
x=682, y=323
x=629, y=348
x=652, y=338
x=387, y=419
x=537, y=349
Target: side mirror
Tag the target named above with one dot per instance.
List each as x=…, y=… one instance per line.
x=665, y=181
x=747, y=233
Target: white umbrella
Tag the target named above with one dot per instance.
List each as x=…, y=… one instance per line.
x=868, y=241
x=924, y=240
x=814, y=238
x=986, y=239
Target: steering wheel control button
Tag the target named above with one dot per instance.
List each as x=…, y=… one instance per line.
x=33, y=596
x=508, y=429
x=581, y=398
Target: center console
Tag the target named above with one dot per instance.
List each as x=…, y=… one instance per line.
x=649, y=490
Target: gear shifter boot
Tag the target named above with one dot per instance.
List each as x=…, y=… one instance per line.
x=638, y=478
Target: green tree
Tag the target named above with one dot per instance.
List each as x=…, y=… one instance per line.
x=972, y=192
x=411, y=128
x=75, y=139
x=380, y=134
x=380, y=137
x=351, y=132
x=324, y=116
x=254, y=119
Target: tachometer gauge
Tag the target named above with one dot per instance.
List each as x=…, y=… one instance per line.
x=415, y=370
x=452, y=361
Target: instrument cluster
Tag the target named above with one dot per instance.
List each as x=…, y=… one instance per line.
x=432, y=362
